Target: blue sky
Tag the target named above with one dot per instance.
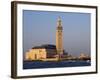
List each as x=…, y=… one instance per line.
x=39, y=27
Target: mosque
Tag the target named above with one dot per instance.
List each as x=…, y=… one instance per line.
x=48, y=50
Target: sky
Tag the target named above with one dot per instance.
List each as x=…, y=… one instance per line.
x=39, y=27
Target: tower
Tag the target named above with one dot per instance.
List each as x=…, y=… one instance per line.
x=59, y=37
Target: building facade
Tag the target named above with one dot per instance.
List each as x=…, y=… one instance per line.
x=41, y=52
x=36, y=54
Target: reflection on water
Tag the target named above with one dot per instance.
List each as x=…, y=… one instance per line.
x=54, y=64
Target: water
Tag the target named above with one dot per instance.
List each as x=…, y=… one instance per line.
x=54, y=64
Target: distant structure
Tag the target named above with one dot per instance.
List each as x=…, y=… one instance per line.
x=49, y=51
x=83, y=56
x=59, y=37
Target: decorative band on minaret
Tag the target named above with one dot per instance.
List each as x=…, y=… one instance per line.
x=59, y=37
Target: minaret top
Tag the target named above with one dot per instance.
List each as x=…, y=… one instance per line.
x=59, y=24
x=59, y=18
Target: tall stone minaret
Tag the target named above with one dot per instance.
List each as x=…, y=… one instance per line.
x=59, y=37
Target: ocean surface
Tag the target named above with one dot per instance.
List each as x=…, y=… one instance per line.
x=54, y=64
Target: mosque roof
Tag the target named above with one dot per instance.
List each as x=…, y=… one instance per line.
x=46, y=46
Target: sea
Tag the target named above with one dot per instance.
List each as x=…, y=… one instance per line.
x=54, y=64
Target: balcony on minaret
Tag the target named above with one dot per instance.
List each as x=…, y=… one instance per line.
x=59, y=28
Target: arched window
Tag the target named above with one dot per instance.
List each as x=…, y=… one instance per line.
x=35, y=56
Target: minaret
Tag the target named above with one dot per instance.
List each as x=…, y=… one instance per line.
x=59, y=37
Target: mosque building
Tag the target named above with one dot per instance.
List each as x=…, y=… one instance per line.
x=48, y=50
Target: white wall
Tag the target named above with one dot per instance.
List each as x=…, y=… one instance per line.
x=5, y=40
